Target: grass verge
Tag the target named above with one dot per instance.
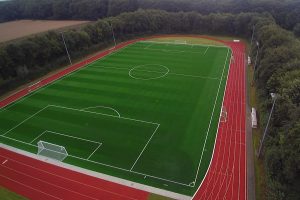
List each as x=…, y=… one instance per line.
x=8, y=195
x=260, y=175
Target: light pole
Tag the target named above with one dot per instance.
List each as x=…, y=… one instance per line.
x=62, y=35
x=113, y=34
x=257, y=44
x=253, y=78
x=253, y=29
x=274, y=97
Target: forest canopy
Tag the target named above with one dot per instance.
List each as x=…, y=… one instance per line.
x=285, y=12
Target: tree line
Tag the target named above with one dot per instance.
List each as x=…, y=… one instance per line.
x=278, y=70
x=285, y=12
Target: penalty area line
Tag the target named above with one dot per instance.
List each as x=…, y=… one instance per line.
x=212, y=114
x=144, y=148
x=94, y=151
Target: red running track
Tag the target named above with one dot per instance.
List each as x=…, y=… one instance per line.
x=39, y=180
x=226, y=177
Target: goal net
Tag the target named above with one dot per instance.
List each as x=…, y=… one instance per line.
x=180, y=42
x=50, y=150
x=223, y=117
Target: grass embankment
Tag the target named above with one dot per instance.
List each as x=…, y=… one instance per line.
x=8, y=195
x=260, y=176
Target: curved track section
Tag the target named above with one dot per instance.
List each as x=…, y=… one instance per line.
x=226, y=178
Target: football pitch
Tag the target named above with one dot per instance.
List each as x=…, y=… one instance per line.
x=147, y=113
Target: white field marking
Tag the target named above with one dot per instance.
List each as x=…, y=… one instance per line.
x=4, y=162
x=134, y=68
x=94, y=151
x=234, y=150
x=65, y=178
x=170, y=73
x=203, y=45
x=48, y=183
x=25, y=120
x=59, y=79
x=195, y=76
x=25, y=185
x=215, y=181
x=217, y=132
x=38, y=137
x=137, y=120
x=78, y=138
x=206, y=50
x=107, y=165
x=148, y=46
x=217, y=95
x=144, y=148
x=113, y=51
x=174, y=51
x=103, y=107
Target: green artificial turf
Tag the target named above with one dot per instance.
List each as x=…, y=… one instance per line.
x=143, y=113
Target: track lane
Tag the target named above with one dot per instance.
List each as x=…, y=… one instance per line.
x=226, y=178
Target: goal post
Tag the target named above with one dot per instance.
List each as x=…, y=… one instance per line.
x=52, y=151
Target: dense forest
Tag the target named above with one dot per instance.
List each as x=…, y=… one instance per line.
x=285, y=12
x=278, y=68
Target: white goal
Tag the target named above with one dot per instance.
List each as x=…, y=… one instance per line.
x=180, y=42
x=52, y=151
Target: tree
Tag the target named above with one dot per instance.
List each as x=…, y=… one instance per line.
x=297, y=30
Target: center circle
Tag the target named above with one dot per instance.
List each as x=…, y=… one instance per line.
x=148, y=72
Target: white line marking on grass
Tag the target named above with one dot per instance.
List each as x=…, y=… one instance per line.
x=25, y=185
x=78, y=138
x=151, y=78
x=94, y=151
x=25, y=120
x=203, y=45
x=211, y=117
x=137, y=120
x=103, y=107
x=195, y=76
x=206, y=50
x=18, y=141
x=170, y=73
x=107, y=165
x=149, y=46
x=38, y=137
x=4, y=162
x=144, y=148
x=60, y=79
